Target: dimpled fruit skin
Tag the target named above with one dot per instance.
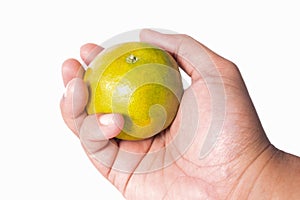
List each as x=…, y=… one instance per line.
x=146, y=90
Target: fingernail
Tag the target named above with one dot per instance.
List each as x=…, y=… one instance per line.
x=107, y=119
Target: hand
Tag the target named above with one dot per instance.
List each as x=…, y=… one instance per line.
x=215, y=148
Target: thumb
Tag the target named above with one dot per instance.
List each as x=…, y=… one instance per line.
x=97, y=129
x=194, y=58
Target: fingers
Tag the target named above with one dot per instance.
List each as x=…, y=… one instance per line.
x=76, y=95
x=71, y=68
x=96, y=130
x=89, y=51
x=194, y=58
x=73, y=104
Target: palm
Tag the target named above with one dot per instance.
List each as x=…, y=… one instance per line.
x=173, y=176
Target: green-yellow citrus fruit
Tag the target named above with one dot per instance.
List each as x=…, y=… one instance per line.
x=138, y=80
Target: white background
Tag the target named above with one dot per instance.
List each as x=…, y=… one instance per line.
x=41, y=159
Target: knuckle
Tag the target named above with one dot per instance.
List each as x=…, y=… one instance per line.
x=233, y=69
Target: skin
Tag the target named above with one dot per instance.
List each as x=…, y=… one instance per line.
x=242, y=164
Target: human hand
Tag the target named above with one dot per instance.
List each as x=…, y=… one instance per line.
x=215, y=148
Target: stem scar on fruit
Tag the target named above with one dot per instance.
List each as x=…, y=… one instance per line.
x=131, y=59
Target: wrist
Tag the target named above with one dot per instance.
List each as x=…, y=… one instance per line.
x=281, y=178
x=273, y=175
x=253, y=171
